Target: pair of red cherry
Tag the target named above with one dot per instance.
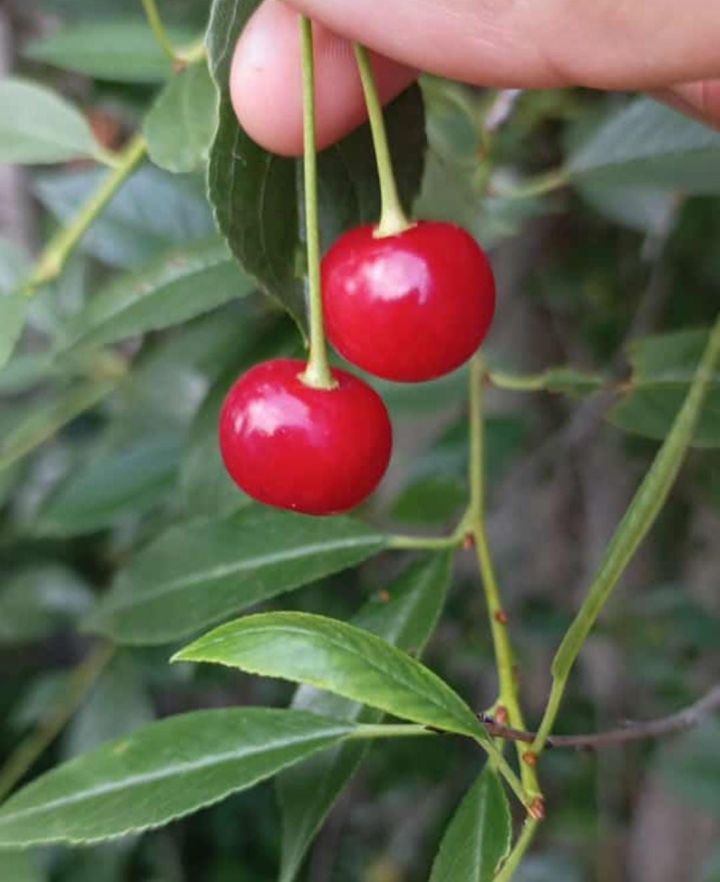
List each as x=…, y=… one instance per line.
x=408, y=307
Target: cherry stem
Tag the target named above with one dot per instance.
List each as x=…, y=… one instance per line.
x=317, y=373
x=393, y=219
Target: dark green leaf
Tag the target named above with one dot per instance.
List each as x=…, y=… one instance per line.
x=179, y=286
x=406, y=617
x=648, y=143
x=206, y=487
x=36, y=423
x=13, y=308
x=255, y=194
x=478, y=836
x=432, y=499
x=339, y=658
x=201, y=572
x=38, y=126
x=117, y=706
x=123, y=50
x=644, y=208
x=663, y=369
x=152, y=212
x=131, y=480
x=161, y=772
x=181, y=123
x=19, y=866
x=37, y=599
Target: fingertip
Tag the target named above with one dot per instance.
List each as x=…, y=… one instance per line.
x=266, y=82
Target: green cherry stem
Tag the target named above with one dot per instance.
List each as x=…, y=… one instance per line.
x=158, y=28
x=393, y=219
x=317, y=374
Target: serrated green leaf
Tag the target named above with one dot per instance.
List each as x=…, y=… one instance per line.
x=256, y=195
x=181, y=285
x=180, y=125
x=39, y=126
x=161, y=772
x=34, y=424
x=478, y=836
x=36, y=599
x=339, y=658
x=130, y=480
x=201, y=572
x=648, y=143
x=662, y=371
x=151, y=213
x=124, y=50
x=405, y=616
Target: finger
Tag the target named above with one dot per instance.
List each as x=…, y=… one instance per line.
x=607, y=44
x=266, y=85
x=700, y=100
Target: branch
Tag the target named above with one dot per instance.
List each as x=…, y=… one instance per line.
x=54, y=256
x=688, y=718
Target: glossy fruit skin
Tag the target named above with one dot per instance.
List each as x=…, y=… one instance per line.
x=409, y=307
x=291, y=446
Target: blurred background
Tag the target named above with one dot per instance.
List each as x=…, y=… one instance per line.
x=584, y=272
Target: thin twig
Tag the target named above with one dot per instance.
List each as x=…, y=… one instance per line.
x=682, y=721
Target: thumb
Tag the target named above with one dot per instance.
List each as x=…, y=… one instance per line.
x=604, y=44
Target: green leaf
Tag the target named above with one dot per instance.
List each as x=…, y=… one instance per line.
x=127, y=481
x=341, y=659
x=161, y=772
x=36, y=423
x=207, y=489
x=19, y=866
x=256, y=195
x=406, y=616
x=123, y=50
x=181, y=285
x=662, y=371
x=479, y=835
x=642, y=208
x=118, y=705
x=38, y=126
x=431, y=499
x=638, y=519
x=201, y=572
x=648, y=143
x=13, y=308
x=152, y=212
x=181, y=124
x=37, y=599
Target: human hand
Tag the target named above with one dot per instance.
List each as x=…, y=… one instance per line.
x=651, y=45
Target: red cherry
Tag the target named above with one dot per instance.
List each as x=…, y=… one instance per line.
x=289, y=445
x=408, y=307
